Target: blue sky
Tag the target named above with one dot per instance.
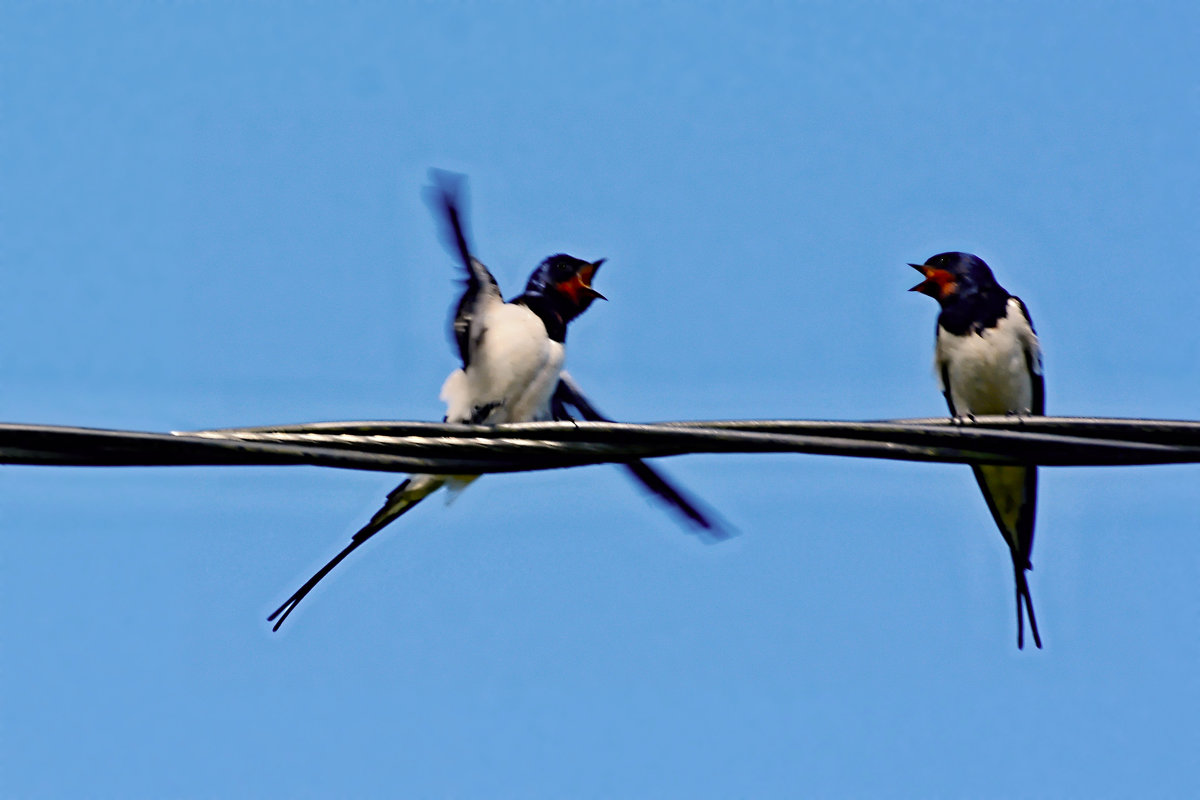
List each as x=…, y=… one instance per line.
x=212, y=216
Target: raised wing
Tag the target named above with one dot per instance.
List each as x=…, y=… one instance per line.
x=447, y=197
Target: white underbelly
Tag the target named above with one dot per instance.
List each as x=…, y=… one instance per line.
x=513, y=371
x=988, y=372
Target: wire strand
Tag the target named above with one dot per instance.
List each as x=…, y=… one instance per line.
x=470, y=449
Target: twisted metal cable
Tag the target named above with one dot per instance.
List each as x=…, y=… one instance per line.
x=441, y=448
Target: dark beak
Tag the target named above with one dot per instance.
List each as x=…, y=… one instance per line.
x=922, y=286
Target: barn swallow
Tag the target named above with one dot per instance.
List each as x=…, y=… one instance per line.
x=512, y=355
x=989, y=361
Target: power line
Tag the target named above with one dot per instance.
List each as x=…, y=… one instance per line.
x=440, y=448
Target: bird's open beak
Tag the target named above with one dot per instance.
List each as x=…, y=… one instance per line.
x=579, y=286
x=937, y=284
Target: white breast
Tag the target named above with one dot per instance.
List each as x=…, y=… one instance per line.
x=989, y=373
x=514, y=368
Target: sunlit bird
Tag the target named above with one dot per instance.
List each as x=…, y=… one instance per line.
x=512, y=369
x=989, y=361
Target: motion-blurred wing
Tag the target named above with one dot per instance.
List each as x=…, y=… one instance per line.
x=568, y=393
x=447, y=198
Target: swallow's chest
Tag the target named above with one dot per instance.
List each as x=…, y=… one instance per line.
x=515, y=365
x=986, y=372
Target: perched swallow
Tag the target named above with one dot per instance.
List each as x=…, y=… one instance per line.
x=989, y=361
x=512, y=368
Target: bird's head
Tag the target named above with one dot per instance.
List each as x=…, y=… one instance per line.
x=949, y=276
x=564, y=283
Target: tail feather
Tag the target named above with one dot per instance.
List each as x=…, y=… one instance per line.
x=399, y=501
x=1025, y=603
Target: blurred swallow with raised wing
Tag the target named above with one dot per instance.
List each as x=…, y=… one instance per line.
x=512, y=356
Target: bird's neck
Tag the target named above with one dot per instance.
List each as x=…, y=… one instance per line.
x=548, y=313
x=975, y=311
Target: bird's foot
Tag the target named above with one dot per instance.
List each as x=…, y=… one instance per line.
x=481, y=413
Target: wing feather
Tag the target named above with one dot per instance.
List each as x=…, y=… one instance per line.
x=447, y=198
x=568, y=393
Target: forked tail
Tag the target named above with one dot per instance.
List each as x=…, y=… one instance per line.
x=1025, y=602
x=400, y=500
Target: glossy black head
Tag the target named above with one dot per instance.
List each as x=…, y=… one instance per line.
x=966, y=290
x=559, y=290
x=948, y=275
